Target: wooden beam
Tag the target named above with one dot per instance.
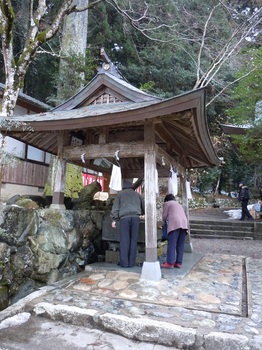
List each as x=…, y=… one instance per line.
x=162, y=155
x=126, y=150
x=168, y=138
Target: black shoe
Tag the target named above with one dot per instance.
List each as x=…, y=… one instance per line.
x=121, y=265
x=251, y=218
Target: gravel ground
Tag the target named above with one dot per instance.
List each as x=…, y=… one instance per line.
x=248, y=248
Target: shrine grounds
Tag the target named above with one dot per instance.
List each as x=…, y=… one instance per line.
x=213, y=302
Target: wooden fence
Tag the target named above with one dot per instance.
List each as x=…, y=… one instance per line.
x=26, y=173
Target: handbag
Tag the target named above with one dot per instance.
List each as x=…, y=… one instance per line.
x=164, y=232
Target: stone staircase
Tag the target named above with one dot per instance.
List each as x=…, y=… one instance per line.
x=222, y=229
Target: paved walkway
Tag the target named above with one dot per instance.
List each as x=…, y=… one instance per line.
x=213, y=302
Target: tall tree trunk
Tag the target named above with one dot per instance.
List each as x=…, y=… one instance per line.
x=74, y=42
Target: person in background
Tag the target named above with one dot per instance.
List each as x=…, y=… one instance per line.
x=243, y=198
x=177, y=226
x=128, y=208
x=260, y=191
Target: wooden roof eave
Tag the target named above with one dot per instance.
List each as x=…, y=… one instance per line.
x=233, y=130
x=71, y=120
x=194, y=101
x=202, y=133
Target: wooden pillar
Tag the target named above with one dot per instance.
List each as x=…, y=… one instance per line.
x=151, y=267
x=59, y=175
x=188, y=245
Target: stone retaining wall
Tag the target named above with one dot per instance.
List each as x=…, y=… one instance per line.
x=40, y=246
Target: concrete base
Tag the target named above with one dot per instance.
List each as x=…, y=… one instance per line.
x=188, y=248
x=151, y=271
x=57, y=206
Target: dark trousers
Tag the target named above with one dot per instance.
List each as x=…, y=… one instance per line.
x=129, y=229
x=175, y=246
x=245, y=211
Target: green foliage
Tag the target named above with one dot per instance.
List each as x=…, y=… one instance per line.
x=39, y=82
x=71, y=78
x=141, y=60
x=250, y=144
x=248, y=91
x=233, y=171
x=206, y=178
x=73, y=183
x=159, y=67
x=247, y=110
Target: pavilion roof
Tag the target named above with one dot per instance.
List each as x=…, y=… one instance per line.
x=109, y=114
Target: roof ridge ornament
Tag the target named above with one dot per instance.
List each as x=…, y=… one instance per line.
x=108, y=66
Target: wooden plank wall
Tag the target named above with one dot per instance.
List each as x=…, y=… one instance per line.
x=26, y=173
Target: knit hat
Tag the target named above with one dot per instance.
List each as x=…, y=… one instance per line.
x=127, y=184
x=241, y=183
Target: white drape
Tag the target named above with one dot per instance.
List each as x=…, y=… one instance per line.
x=188, y=190
x=172, y=183
x=116, y=179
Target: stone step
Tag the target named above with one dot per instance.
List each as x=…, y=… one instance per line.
x=222, y=229
x=211, y=227
x=249, y=223
x=236, y=234
x=214, y=236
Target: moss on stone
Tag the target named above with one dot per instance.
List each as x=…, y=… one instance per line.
x=53, y=217
x=3, y=297
x=73, y=183
x=27, y=203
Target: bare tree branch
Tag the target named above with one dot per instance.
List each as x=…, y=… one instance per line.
x=228, y=85
x=232, y=46
x=203, y=41
x=142, y=20
x=15, y=70
x=146, y=19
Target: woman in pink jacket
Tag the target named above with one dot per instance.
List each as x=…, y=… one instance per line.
x=177, y=226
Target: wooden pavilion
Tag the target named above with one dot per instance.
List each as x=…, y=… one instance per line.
x=110, y=115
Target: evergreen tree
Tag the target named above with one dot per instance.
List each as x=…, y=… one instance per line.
x=247, y=110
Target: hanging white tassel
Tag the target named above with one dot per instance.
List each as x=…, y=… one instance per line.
x=188, y=190
x=83, y=157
